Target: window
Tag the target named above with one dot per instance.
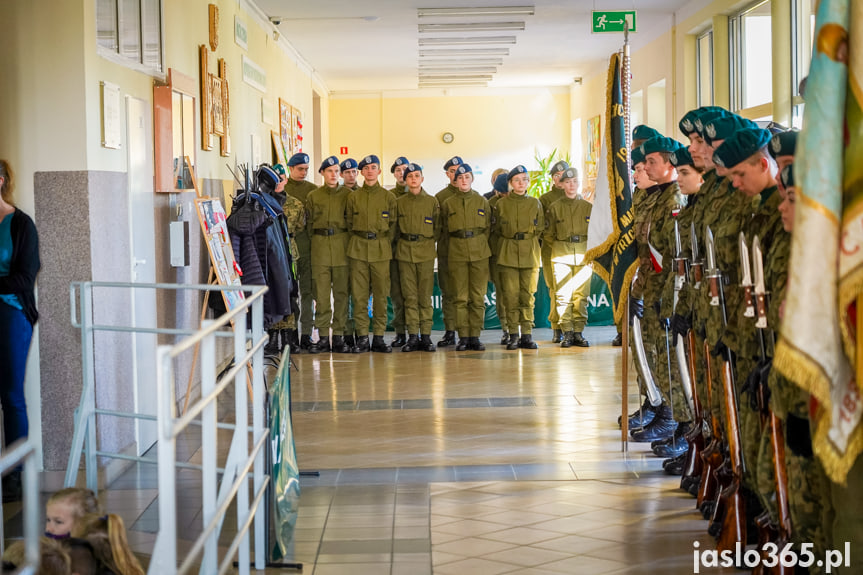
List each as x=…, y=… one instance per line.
x=130, y=32
x=751, y=59
x=704, y=68
x=802, y=32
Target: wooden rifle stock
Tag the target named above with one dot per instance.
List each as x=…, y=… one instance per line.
x=734, y=520
x=712, y=455
x=694, y=464
x=777, y=441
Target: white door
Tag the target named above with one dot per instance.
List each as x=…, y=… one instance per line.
x=143, y=243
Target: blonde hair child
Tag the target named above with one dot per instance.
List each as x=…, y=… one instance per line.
x=66, y=507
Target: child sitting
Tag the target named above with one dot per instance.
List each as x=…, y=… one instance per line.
x=66, y=507
x=107, y=535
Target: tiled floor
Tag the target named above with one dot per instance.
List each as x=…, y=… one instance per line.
x=461, y=463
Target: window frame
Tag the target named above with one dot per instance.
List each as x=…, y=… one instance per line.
x=114, y=55
x=736, y=63
x=699, y=96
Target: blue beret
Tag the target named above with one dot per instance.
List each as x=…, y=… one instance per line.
x=413, y=168
x=569, y=174
x=680, y=157
x=740, y=146
x=348, y=164
x=501, y=184
x=454, y=161
x=642, y=132
x=267, y=177
x=687, y=122
x=722, y=127
x=659, y=144
x=400, y=161
x=298, y=159
x=516, y=171
x=787, y=176
x=280, y=169
x=783, y=144
x=637, y=156
x=328, y=163
x=372, y=159
x=463, y=169
x=558, y=167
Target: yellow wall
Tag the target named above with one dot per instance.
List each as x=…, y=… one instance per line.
x=490, y=131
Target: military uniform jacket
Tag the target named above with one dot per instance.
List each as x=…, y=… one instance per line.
x=295, y=218
x=399, y=190
x=551, y=196
x=442, y=196
x=660, y=235
x=466, y=214
x=417, y=217
x=640, y=226
x=494, y=237
x=519, y=221
x=567, y=229
x=325, y=209
x=685, y=219
x=301, y=191
x=369, y=212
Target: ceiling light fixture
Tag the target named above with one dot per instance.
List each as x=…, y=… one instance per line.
x=445, y=85
x=279, y=19
x=442, y=77
x=423, y=63
x=476, y=11
x=462, y=52
x=460, y=71
x=467, y=40
x=471, y=27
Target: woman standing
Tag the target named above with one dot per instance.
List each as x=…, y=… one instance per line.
x=19, y=264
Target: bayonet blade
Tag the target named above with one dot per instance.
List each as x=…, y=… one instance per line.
x=746, y=277
x=678, y=253
x=760, y=288
x=711, y=254
x=694, y=240
x=695, y=264
x=713, y=274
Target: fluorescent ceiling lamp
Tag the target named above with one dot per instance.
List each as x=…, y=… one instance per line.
x=445, y=85
x=471, y=27
x=467, y=40
x=441, y=77
x=462, y=52
x=461, y=71
x=460, y=62
x=489, y=11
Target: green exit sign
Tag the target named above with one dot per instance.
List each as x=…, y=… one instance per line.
x=612, y=20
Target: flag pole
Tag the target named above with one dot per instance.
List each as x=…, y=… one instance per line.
x=624, y=332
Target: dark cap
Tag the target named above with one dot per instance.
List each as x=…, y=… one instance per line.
x=558, y=167
x=298, y=159
x=463, y=169
x=348, y=164
x=783, y=144
x=454, y=161
x=787, y=176
x=516, y=171
x=267, y=177
x=659, y=144
x=637, y=156
x=411, y=167
x=400, y=161
x=680, y=157
x=328, y=163
x=723, y=127
x=687, y=122
x=501, y=184
x=569, y=174
x=740, y=146
x=643, y=132
x=280, y=169
x=372, y=159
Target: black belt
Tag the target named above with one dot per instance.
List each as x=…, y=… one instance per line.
x=463, y=234
x=366, y=235
x=522, y=236
x=576, y=239
x=328, y=231
x=413, y=237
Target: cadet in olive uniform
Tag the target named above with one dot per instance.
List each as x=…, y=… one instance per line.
x=518, y=221
x=501, y=189
x=349, y=173
x=566, y=235
x=295, y=217
x=298, y=187
x=446, y=291
x=369, y=216
x=466, y=221
x=417, y=227
x=325, y=209
x=546, y=199
x=398, y=171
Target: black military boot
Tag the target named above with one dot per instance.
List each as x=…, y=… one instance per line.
x=675, y=465
x=447, y=340
x=527, y=342
x=462, y=343
x=675, y=448
x=426, y=344
x=662, y=426
x=618, y=340
x=340, y=345
x=513, y=341
x=305, y=342
x=399, y=340
x=362, y=344
x=349, y=340
x=272, y=347
x=566, y=340
x=681, y=432
x=475, y=344
x=557, y=337
x=504, y=339
x=291, y=338
x=379, y=345
x=579, y=341
x=641, y=417
x=412, y=344
x=320, y=346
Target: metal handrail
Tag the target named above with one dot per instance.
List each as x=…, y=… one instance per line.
x=26, y=451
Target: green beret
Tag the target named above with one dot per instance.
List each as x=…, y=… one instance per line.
x=659, y=144
x=783, y=144
x=722, y=127
x=280, y=169
x=787, y=176
x=642, y=132
x=680, y=157
x=637, y=156
x=687, y=122
x=706, y=117
x=740, y=146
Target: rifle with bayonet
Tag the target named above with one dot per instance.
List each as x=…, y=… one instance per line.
x=733, y=520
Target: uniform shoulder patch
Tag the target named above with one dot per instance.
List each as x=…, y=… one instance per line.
x=480, y=212
x=428, y=220
x=385, y=214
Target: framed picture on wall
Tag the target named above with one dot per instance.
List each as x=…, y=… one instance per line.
x=217, y=101
x=285, y=123
x=591, y=161
x=278, y=149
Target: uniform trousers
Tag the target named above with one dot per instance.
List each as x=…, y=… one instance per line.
x=447, y=295
x=519, y=287
x=469, y=281
x=304, y=277
x=331, y=313
x=572, y=288
x=417, y=285
x=374, y=275
x=550, y=279
x=499, y=303
x=397, y=297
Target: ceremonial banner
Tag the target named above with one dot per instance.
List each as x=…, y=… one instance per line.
x=610, y=237
x=824, y=276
